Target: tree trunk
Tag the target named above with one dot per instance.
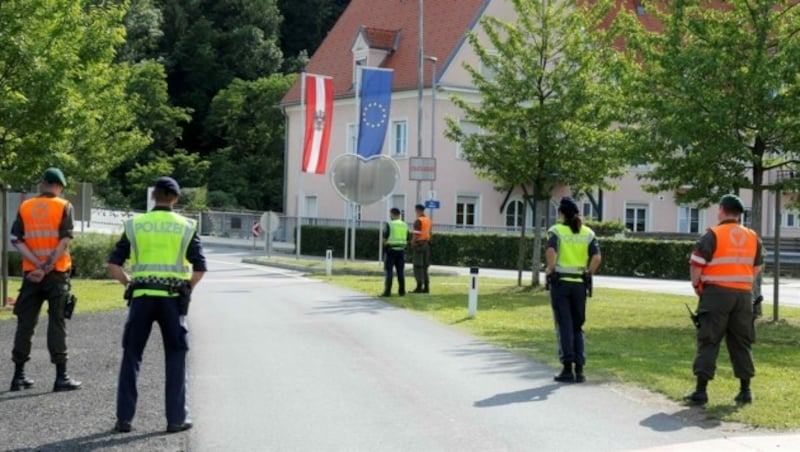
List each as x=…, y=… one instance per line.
x=521, y=255
x=536, y=262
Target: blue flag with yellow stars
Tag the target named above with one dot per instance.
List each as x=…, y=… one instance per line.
x=376, y=99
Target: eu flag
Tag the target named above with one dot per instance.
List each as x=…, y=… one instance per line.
x=376, y=99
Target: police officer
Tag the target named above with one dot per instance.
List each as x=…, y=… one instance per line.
x=723, y=265
x=395, y=237
x=161, y=245
x=572, y=255
x=421, y=244
x=42, y=233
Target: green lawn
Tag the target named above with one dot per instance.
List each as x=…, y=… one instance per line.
x=93, y=296
x=639, y=338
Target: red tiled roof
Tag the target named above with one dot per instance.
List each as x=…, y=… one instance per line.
x=381, y=39
x=446, y=22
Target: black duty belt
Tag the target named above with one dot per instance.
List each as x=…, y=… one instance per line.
x=171, y=285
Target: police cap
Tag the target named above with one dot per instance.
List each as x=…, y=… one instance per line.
x=168, y=184
x=732, y=203
x=54, y=175
x=568, y=206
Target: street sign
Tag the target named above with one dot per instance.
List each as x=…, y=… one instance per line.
x=422, y=168
x=432, y=204
x=269, y=222
x=256, y=229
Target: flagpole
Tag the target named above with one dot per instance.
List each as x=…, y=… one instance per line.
x=420, y=83
x=298, y=245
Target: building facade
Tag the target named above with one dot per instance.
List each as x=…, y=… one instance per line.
x=385, y=34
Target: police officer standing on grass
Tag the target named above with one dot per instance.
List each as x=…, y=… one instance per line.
x=161, y=245
x=421, y=244
x=573, y=256
x=395, y=237
x=42, y=233
x=723, y=265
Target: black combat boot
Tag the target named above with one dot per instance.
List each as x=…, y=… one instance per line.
x=566, y=375
x=579, y=377
x=19, y=380
x=699, y=396
x=63, y=381
x=744, y=396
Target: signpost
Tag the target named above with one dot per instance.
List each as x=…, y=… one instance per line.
x=269, y=223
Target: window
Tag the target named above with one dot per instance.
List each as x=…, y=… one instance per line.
x=469, y=128
x=514, y=212
x=747, y=218
x=689, y=220
x=636, y=217
x=311, y=207
x=487, y=71
x=588, y=211
x=400, y=137
x=359, y=61
x=466, y=210
x=352, y=135
x=399, y=201
x=790, y=219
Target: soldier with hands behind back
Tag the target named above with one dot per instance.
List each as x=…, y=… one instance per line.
x=42, y=233
x=167, y=262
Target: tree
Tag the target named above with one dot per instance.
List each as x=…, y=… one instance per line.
x=246, y=117
x=63, y=99
x=547, y=103
x=305, y=25
x=717, y=98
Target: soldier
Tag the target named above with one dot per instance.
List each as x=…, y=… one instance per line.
x=42, y=233
x=723, y=265
x=421, y=244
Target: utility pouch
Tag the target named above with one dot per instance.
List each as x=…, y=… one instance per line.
x=69, y=307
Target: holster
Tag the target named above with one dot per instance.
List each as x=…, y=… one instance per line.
x=551, y=280
x=69, y=307
x=757, y=307
x=587, y=281
x=179, y=287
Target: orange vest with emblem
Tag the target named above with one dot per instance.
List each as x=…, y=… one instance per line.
x=424, y=232
x=733, y=260
x=41, y=218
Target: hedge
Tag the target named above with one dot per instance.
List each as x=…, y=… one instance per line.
x=89, y=255
x=621, y=256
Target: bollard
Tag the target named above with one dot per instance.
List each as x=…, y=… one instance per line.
x=328, y=261
x=473, y=292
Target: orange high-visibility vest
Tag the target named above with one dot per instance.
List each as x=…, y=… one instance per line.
x=424, y=232
x=732, y=264
x=41, y=217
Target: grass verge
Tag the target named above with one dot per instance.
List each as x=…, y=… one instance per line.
x=639, y=338
x=94, y=295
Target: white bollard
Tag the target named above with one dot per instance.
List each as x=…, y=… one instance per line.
x=328, y=261
x=473, y=292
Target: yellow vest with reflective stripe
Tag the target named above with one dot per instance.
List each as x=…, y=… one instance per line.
x=159, y=240
x=573, y=251
x=398, y=234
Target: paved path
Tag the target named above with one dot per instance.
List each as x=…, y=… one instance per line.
x=280, y=362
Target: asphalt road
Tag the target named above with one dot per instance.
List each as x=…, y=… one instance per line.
x=280, y=362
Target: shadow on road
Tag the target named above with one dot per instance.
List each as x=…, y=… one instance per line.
x=526, y=395
x=354, y=305
x=95, y=441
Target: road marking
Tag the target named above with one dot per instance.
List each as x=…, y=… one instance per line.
x=262, y=268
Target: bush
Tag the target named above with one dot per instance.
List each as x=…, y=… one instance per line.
x=90, y=253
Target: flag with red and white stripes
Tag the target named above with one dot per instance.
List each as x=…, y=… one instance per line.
x=318, y=101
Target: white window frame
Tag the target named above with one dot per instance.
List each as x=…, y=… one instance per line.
x=488, y=73
x=461, y=123
x=790, y=220
x=399, y=146
x=358, y=61
x=519, y=206
x=645, y=215
x=685, y=220
x=311, y=206
x=475, y=211
x=587, y=211
x=399, y=201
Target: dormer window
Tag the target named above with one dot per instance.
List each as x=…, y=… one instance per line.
x=359, y=61
x=372, y=46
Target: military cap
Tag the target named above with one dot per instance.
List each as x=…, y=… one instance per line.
x=732, y=203
x=54, y=175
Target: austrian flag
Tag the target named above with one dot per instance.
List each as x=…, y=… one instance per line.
x=318, y=101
